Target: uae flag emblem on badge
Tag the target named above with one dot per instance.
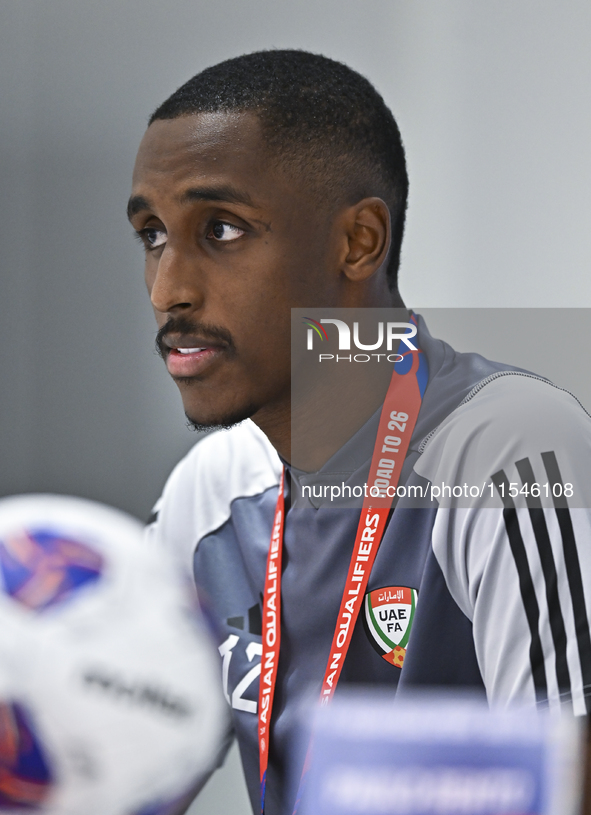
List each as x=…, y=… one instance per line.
x=389, y=613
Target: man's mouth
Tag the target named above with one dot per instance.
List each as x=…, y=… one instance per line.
x=190, y=360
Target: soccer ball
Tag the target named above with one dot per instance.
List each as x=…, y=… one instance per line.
x=110, y=700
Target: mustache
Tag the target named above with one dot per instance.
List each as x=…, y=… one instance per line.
x=182, y=325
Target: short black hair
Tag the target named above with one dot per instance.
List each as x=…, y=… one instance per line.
x=317, y=115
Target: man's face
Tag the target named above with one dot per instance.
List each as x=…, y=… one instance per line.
x=232, y=244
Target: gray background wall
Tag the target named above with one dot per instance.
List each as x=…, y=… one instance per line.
x=493, y=103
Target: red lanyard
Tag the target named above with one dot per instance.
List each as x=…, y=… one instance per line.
x=271, y=635
x=397, y=420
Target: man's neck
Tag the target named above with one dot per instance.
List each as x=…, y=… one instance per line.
x=325, y=411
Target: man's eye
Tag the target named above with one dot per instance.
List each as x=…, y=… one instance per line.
x=221, y=231
x=153, y=238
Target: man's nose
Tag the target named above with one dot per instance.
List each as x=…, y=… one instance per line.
x=178, y=282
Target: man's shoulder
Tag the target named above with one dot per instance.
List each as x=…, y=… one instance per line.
x=222, y=467
x=516, y=403
x=225, y=465
x=217, y=455
x=507, y=418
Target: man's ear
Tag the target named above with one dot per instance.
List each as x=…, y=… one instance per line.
x=367, y=230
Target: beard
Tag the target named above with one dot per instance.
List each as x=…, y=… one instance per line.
x=221, y=422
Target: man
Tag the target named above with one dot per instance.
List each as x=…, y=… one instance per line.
x=277, y=181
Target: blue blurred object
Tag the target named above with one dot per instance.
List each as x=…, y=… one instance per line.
x=440, y=755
